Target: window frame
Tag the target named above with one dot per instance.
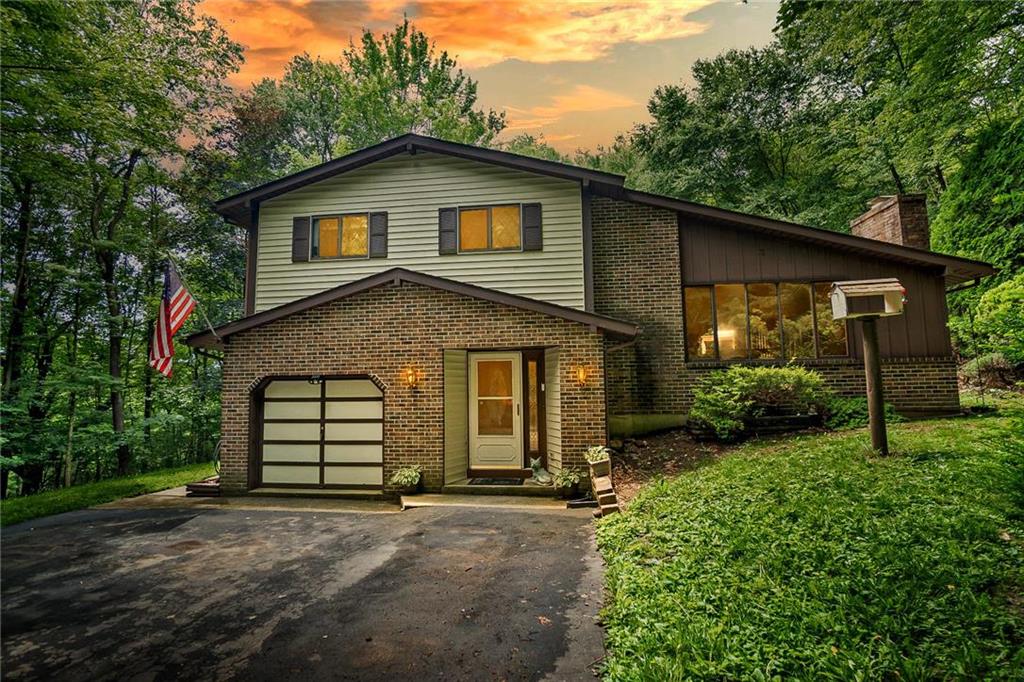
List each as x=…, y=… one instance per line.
x=314, y=235
x=717, y=356
x=490, y=227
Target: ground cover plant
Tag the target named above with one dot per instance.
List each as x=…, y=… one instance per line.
x=808, y=558
x=18, y=509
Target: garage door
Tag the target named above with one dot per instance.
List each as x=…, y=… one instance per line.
x=325, y=433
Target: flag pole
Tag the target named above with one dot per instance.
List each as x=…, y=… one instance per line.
x=202, y=309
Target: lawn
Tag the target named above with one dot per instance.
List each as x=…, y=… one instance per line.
x=808, y=558
x=20, y=509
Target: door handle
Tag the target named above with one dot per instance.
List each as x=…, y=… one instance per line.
x=517, y=409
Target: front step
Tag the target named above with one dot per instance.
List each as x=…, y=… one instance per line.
x=524, y=490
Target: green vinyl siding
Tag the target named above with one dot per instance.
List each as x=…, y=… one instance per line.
x=456, y=416
x=412, y=189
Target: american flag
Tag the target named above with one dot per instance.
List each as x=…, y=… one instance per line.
x=175, y=307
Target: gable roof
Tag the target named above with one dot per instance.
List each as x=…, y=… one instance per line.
x=956, y=270
x=214, y=338
x=238, y=208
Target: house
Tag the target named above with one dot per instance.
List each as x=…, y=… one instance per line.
x=470, y=310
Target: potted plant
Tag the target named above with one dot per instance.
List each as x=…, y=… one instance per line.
x=599, y=458
x=407, y=479
x=567, y=483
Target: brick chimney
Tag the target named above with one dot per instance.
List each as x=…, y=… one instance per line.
x=900, y=219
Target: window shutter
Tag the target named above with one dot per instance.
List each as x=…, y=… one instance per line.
x=533, y=237
x=300, y=239
x=379, y=235
x=447, y=230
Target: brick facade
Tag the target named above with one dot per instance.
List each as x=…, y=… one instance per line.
x=637, y=278
x=914, y=386
x=384, y=331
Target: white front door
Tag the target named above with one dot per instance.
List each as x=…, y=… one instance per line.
x=495, y=408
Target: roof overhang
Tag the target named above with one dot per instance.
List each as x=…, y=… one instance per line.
x=616, y=329
x=237, y=208
x=954, y=269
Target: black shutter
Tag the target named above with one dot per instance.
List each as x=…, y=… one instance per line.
x=533, y=236
x=447, y=230
x=300, y=239
x=379, y=235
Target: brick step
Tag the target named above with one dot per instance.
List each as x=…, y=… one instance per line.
x=602, y=484
x=609, y=509
x=607, y=498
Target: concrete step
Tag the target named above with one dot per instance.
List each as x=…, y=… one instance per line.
x=607, y=510
x=524, y=490
x=524, y=503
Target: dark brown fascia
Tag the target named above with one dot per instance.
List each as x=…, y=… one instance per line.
x=236, y=207
x=214, y=339
x=954, y=268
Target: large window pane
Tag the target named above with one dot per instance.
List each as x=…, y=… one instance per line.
x=354, y=235
x=327, y=237
x=473, y=229
x=505, y=227
x=700, y=336
x=797, y=320
x=831, y=333
x=731, y=309
x=765, y=341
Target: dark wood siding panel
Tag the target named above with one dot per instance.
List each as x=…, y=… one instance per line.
x=712, y=253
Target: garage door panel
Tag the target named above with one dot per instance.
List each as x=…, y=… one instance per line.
x=292, y=389
x=279, y=452
x=358, y=431
x=355, y=410
x=308, y=431
x=286, y=410
x=354, y=453
x=297, y=449
x=354, y=475
x=273, y=473
x=352, y=388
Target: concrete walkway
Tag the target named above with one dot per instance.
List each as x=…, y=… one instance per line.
x=219, y=592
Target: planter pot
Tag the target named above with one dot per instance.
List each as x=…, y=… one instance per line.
x=601, y=468
x=569, y=493
x=412, y=489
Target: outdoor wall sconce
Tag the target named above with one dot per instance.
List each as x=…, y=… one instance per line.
x=581, y=375
x=410, y=377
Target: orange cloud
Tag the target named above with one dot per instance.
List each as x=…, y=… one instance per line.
x=479, y=33
x=578, y=99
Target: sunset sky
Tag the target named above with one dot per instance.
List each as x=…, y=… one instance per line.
x=575, y=72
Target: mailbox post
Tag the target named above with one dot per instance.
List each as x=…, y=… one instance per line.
x=866, y=300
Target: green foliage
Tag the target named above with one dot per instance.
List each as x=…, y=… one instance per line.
x=999, y=320
x=848, y=413
x=568, y=477
x=406, y=477
x=803, y=559
x=726, y=400
x=89, y=494
x=597, y=453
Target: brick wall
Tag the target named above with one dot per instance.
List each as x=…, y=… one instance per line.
x=637, y=278
x=384, y=331
x=913, y=385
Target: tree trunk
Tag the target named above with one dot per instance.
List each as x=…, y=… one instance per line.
x=897, y=180
x=19, y=301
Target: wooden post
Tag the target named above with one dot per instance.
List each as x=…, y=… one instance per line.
x=873, y=377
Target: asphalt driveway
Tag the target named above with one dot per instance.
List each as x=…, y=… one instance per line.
x=434, y=593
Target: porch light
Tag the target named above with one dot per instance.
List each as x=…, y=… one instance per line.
x=581, y=375
x=410, y=377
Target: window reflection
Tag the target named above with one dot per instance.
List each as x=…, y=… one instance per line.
x=831, y=333
x=700, y=336
x=765, y=341
x=797, y=320
x=731, y=311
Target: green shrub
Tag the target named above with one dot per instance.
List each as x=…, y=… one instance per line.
x=726, y=401
x=849, y=413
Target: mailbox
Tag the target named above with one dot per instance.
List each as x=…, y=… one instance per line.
x=867, y=298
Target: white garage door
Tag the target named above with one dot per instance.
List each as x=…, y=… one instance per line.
x=322, y=434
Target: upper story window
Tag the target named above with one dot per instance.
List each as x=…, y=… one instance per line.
x=762, y=320
x=340, y=236
x=490, y=228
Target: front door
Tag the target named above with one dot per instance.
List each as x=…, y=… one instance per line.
x=495, y=409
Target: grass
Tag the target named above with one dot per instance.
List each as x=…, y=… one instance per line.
x=807, y=558
x=20, y=509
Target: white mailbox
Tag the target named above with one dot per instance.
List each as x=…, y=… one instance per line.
x=867, y=298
